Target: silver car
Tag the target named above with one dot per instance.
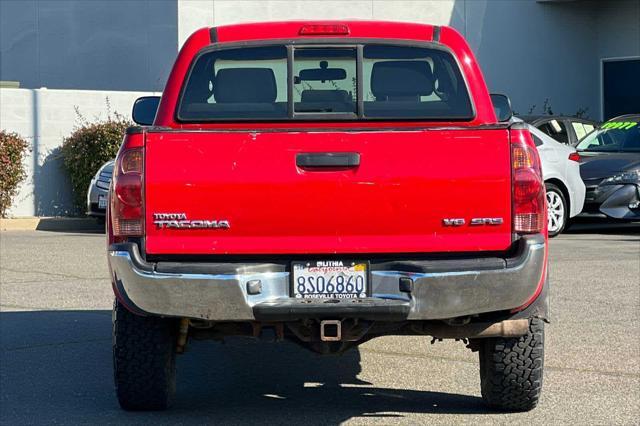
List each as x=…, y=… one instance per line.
x=98, y=194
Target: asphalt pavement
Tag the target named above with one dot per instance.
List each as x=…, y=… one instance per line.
x=55, y=351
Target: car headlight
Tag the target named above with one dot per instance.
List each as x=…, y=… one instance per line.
x=632, y=176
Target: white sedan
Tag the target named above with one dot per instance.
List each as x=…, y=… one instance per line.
x=561, y=172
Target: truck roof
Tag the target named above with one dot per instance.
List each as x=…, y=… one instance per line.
x=332, y=28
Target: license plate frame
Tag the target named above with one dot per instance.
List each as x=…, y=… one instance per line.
x=102, y=201
x=366, y=274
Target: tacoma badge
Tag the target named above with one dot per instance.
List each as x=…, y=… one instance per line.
x=180, y=221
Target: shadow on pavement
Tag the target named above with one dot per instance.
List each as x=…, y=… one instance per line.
x=74, y=225
x=56, y=368
x=603, y=226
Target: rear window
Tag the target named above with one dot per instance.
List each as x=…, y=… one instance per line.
x=412, y=82
x=248, y=83
x=325, y=81
x=556, y=129
x=364, y=82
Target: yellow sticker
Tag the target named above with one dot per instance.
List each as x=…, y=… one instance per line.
x=360, y=267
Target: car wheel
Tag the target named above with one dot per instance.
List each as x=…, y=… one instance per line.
x=144, y=360
x=556, y=210
x=511, y=369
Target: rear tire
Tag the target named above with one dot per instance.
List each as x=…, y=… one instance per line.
x=557, y=212
x=144, y=360
x=511, y=369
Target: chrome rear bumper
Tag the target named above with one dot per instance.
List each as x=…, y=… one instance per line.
x=219, y=291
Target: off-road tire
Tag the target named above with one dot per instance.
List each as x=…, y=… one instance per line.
x=511, y=369
x=144, y=363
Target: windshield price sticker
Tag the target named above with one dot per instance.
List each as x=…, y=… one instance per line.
x=620, y=125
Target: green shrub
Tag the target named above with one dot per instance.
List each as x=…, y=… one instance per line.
x=12, y=152
x=89, y=147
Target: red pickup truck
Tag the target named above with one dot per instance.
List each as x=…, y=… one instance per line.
x=327, y=182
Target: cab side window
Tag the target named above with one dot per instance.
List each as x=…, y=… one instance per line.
x=588, y=128
x=579, y=128
x=556, y=129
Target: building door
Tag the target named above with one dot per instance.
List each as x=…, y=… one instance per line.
x=620, y=88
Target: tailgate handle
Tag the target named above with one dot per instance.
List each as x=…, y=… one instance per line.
x=328, y=159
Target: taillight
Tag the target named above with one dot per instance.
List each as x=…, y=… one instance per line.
x=574, y=156
x=529, y=210
x=127, y=207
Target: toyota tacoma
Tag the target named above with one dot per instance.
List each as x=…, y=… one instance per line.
x=327, y=183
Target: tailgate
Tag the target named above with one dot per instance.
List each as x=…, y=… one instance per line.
x=407, y=183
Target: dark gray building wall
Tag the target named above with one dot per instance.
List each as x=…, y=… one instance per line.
x=97, y=45
x=535, y=52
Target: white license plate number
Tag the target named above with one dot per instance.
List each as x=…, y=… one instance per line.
x=102, y=201
x=330, y=280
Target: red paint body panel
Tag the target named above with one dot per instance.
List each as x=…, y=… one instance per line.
x=394, y=202
x=291, y=29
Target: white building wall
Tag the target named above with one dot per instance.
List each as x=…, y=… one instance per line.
x=44, y=118
x=202, y=13
x=192, y=15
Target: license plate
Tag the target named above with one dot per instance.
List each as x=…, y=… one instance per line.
x=102, y=201
x=329, y=279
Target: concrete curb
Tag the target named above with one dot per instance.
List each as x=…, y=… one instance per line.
x=55, y=224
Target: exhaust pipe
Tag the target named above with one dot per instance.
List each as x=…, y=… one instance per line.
x=331, y=330
x=507, y=328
